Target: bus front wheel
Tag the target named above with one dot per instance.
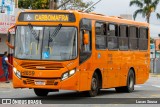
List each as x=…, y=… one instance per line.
x=94, y=86
x=41, y=92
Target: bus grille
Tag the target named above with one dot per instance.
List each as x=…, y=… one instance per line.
x=42, y=66
x=32, y=82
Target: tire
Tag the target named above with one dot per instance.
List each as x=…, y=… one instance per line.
x=130, y=83
x=120, y=89
x=41, y=92
x=94, y=86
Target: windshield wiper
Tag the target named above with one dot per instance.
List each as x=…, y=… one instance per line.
x=54, y=34
x=49, y=40
x=33, y=32
x=38, y=39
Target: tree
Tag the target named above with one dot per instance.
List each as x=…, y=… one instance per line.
x=151, y=40
x=158, y=16
x=146, y=7
x=46, y=4
x=76, y=5
x=33, y=4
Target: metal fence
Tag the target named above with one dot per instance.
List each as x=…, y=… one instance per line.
x=155, y=66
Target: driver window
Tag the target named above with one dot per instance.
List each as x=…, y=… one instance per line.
x=83, y=47
x=85, y=50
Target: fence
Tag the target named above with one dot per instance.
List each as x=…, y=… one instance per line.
x=155, y=66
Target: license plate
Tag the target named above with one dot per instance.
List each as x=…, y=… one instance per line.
x=39, y=82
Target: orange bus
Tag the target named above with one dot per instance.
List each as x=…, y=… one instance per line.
x=72, y=50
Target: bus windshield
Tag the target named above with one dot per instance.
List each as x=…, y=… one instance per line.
x=46, y=43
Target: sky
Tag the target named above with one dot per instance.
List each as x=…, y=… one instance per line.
x=117, y=7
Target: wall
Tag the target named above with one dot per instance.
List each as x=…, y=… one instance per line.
x=3, y=48
x=5, y=22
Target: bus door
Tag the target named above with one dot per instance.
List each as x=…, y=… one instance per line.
x=85, y=58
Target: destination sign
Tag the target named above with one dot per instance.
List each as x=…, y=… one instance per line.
x=46, y=17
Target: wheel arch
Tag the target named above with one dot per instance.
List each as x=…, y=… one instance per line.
x=99, y=73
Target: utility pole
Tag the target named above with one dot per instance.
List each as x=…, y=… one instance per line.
x=53, y=4
x=154, y=60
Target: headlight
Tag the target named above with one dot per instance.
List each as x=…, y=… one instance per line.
x=65, y=76
x=17, y=73
x=72, y=72
x=68, y=74
x=15, y=70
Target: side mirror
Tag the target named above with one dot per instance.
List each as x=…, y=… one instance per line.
x=9, y=38
x=85, y=38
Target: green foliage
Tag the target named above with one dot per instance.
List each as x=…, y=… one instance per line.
x=44, y=4
x=76, y=5
x=151, y=40
x=158, y=16
x=33, y=4
x=146, y=7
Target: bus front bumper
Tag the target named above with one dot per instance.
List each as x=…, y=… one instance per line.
x=70, y=83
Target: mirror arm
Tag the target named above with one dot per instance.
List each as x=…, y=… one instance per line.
x=7, y=42
x=11, y=27
x=12, y=47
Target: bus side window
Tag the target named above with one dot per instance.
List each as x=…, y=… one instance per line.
x=143, y=38
x=123, y=39
x=112, y=36
x=133, y=38
x=85, y=50
x=101, y=37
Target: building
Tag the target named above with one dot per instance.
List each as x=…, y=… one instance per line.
x=6, y=20
x=155, y=56
x=126, y=16
x=157, y=44
x=152, y=51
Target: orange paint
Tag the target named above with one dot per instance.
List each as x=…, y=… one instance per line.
x=112, y=64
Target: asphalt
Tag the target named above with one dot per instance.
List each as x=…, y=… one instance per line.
x=9, y=85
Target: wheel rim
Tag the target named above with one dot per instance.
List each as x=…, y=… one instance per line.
x=131, y=83
x=94, y=84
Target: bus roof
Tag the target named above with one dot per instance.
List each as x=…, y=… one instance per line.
x=96, y=16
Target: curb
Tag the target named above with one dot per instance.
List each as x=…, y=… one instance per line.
x=6, y=85
x=155, y=75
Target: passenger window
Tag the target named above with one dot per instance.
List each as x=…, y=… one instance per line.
x=123, y=39
x=112, y=30
x=112, y=40
x=143, y=38
x=101, y=38
x=133, y=38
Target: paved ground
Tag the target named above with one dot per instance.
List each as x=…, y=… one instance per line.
x=151, y=89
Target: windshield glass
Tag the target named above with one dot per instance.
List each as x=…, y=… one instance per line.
x=46, y=43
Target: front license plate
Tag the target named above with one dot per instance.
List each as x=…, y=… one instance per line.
x=39, y=83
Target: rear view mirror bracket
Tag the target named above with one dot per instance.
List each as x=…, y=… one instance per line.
x=9, y=38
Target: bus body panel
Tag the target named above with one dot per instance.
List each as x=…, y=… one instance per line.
x=114, y=65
